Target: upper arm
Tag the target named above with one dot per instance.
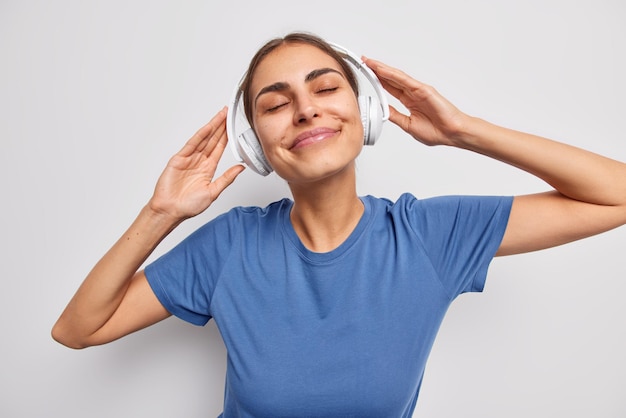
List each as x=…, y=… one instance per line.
x=549, y=219
x=138, y=309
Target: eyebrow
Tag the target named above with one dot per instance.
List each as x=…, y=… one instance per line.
x=282, y=86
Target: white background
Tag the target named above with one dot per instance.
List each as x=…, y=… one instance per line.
x=96, y=95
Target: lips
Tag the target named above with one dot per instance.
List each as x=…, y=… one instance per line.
x=313, y=136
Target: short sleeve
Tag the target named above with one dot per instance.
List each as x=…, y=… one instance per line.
x=460, y=235
x=183, y=279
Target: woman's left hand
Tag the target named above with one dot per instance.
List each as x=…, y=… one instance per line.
x=432, y=120
x=589, y=194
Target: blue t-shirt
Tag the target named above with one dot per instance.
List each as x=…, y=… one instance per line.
x=339, y=334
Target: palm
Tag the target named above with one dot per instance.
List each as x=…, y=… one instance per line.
x=187, y=186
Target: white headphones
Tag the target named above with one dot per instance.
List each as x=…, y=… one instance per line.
x=246, y=146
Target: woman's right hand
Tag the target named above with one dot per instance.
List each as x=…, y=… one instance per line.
x=115, y=298
x=187, y=186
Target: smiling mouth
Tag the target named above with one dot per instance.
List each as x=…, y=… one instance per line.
x=312, y=137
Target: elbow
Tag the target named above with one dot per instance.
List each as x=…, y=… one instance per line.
x=61, y=335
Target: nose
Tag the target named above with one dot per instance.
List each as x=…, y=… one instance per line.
x=305, y=110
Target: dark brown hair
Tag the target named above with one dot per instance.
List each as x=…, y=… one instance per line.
x=293, y=38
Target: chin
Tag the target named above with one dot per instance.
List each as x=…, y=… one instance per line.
x=317, y=161
x=319, y=172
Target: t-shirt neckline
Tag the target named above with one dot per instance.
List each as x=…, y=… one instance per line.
x=325, y=257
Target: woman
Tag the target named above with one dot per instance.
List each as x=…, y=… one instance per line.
x=329, y=303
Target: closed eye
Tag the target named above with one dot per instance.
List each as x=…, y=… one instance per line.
x=327, y=90
x=276, y=107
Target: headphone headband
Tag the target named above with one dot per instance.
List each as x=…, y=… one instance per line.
x=245, y=145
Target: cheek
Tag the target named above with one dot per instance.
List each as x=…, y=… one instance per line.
x=269, y=137
x=354, y=118
x=350, y=111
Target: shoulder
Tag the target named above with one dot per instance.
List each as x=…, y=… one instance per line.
x=445, y=209
x=228, y=225
x=253, y=214
x=409, y=201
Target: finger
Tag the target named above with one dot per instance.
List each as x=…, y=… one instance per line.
x=199, y=139
x=388, y=72
x=399, y=118
x=218, y=137
x=208, y=130
x=226, y=179
x=396, y=81
x=210, y=157
x=395, y=90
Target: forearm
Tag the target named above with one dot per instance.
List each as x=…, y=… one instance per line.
x=104, y=288
x=575, y=173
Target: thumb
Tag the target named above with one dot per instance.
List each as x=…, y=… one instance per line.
x=226, y=179
x=399, y=119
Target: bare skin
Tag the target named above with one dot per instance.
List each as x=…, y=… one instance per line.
x=589, y=197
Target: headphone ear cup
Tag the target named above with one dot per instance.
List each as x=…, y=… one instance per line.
x=249, y=149
x=372, y=119
x=364, y=110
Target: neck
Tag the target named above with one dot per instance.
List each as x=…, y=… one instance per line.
x=326, y=212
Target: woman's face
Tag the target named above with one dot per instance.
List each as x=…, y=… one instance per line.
x=305, y=114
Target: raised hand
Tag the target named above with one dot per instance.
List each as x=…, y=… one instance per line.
x=187, y=186
x=432, y=120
